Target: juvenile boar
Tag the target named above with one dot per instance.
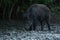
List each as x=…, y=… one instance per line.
x=38, y=13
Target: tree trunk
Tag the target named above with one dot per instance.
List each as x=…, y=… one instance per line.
x=11, y=12
x=4, y=11
x=18, y=8
x=9, y=7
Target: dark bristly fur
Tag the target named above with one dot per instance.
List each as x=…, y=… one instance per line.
x=38, y=13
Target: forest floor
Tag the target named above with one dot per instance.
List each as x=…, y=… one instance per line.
x=13, y=31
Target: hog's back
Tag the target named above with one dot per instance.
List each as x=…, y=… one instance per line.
x=38, y=10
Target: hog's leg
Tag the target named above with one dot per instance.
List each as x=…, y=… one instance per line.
x=33, y=25
x=48, y=24
x=41, y=22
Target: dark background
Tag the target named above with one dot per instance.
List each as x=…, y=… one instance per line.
x=12, y=25
x=11, y=11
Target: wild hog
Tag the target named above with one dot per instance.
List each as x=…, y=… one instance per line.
x=38, y=13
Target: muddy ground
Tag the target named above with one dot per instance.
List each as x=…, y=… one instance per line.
x=15, y=31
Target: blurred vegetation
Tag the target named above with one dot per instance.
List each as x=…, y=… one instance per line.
x=13, y=9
